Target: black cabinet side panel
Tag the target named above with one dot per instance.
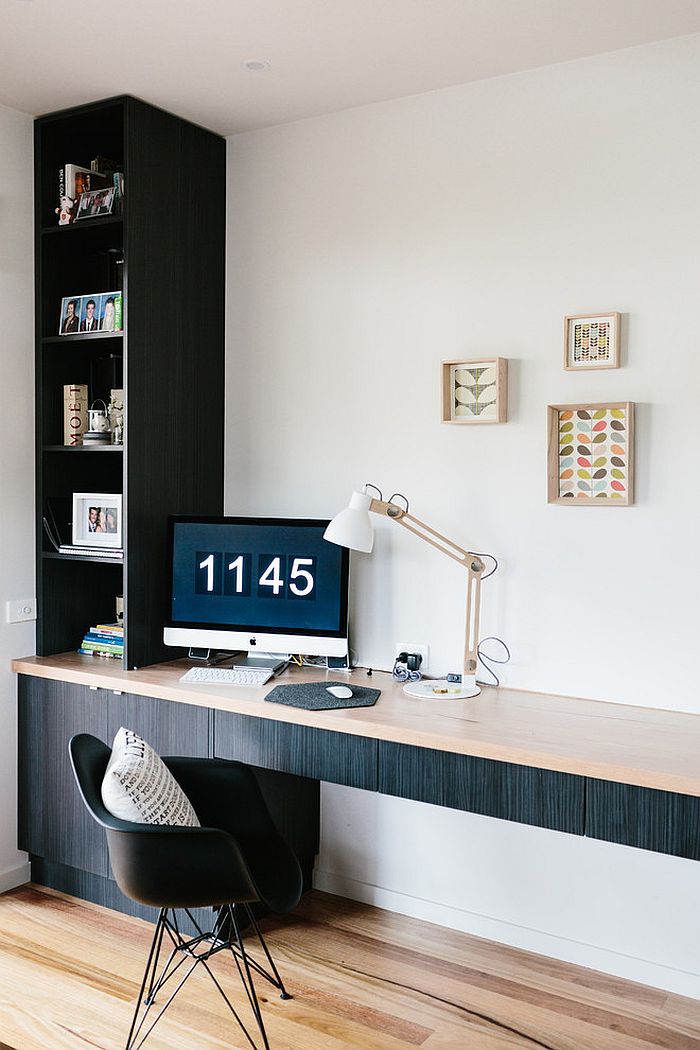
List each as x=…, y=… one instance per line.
x=53, y=821
x=477, y=785
x=175, y=222
x=319, y=753
x=662, y=821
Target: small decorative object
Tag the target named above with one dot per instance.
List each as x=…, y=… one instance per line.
x=97, y=519
x=66, y=211
x=75, y=411
x=590, y=454
x=119, y=607
x=98, y=420
x=115, y=411
x=96, y=203
x=475, y=391
x=591, y=341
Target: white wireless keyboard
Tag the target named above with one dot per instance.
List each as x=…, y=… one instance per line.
x=226, y=676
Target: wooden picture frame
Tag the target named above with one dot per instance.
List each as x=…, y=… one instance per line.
x=591, y=341
x=590, y=454
x=475, y=391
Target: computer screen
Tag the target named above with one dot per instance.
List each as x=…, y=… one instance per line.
x=249, y=583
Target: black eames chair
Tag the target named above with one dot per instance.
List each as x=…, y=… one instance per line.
x=236, y=859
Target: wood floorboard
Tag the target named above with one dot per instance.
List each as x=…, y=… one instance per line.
x=362, y=979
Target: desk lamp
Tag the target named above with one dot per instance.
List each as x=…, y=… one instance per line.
x=352, y=528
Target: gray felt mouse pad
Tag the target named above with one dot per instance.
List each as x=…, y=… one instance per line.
x=314, y=696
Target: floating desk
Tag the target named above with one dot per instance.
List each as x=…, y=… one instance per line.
x=624, y=774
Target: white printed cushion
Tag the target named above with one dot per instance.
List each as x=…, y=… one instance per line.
x=138, y=786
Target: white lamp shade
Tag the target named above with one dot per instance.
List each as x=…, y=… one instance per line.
x=352, y=527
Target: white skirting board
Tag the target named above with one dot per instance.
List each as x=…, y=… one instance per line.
x=14, y=877
x=589, y=955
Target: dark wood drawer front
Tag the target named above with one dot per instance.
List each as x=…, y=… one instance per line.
x=479, y=785
x=170, y=728
x=306, y=752
x=53, y=821
x=634, y=816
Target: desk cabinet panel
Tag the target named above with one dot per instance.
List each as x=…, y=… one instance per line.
x=302, y=750
x=478, y=785
x=170, y=729
x=643, y=817
x=53, y=821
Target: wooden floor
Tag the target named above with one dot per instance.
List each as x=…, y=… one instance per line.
x=362, y=979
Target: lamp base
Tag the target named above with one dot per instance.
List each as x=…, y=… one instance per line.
x=441, y=689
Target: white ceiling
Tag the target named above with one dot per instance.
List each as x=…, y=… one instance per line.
x=324, y=55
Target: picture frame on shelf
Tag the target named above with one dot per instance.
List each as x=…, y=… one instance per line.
x=591, y=341
x=97, y=519
x=91, y=314
x=590, y=454
x=475, y=390
x=69, y=319
x=96, y=204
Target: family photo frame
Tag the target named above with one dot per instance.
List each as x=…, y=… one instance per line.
x=95, y=204
x=96, y=313
x=97, y=519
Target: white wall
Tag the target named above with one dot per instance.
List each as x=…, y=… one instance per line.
x=366, y=246
x=17, y=453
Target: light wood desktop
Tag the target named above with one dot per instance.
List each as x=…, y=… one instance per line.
x=639, y=746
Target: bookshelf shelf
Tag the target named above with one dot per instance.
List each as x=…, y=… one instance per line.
x=85, y=559
x=73, y=449
x=165, y=252
x=85, y=337
x=83, y=224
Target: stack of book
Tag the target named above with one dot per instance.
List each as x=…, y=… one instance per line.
x=105, y=639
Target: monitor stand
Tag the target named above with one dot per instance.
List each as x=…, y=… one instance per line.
x=275, y=662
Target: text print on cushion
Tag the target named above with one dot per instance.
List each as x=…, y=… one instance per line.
x=138, y=786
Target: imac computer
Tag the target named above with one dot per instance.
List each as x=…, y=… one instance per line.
x=268, y=586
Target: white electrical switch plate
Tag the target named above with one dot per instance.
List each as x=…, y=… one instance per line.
x=21, y=610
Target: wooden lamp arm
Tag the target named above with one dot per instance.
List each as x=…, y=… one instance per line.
x=470, y=561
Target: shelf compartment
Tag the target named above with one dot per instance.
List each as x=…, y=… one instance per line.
x=75, y=594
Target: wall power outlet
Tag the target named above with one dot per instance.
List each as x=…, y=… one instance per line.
x=19, y=611
x=414, y=647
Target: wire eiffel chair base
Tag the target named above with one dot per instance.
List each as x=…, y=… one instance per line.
x=185, y=954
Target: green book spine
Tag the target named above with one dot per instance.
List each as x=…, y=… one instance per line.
x=118, y=313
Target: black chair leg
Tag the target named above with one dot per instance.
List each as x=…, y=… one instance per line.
x=198, y=950
x=284, y=994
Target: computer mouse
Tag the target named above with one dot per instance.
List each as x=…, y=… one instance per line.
x=343, y=692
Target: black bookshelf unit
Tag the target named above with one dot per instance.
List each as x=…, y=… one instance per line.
x=169, y=359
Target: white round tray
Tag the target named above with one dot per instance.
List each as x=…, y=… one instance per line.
x=425, y=689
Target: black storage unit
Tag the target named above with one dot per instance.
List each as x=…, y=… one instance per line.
x=166, y=252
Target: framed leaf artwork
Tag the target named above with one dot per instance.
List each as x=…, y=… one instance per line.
x=591, y=341
x=590, y=454
x=475, y=391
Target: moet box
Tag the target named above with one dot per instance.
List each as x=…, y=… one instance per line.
x=75, y=413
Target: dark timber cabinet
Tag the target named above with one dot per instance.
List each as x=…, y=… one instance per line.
x=169, y=359
x=68, y=849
